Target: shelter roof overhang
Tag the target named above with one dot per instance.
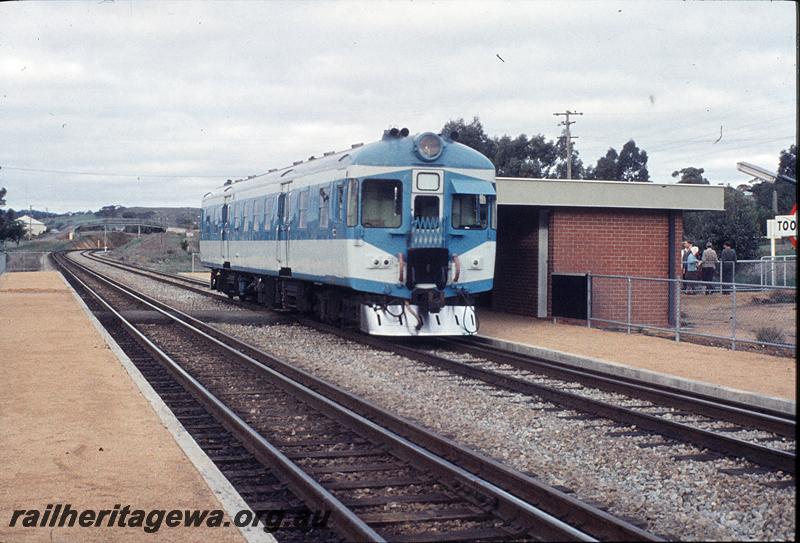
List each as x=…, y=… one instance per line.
x=609, y=194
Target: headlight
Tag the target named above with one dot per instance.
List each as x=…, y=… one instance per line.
x=428, y=146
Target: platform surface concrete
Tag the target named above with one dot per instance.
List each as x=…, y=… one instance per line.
x=74, y=429
x=768, y=381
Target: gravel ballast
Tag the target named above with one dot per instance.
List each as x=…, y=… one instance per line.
x=182, y=299
x=631, y=476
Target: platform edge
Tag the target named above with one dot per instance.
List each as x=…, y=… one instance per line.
x=229, y=497
x=717, y=391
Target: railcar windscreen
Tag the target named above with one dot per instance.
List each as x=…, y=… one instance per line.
x=470, y=211
x=381, y=203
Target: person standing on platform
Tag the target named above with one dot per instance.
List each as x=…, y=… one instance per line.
x=728, y=260
x=708, y=265
x=691, y=270
x=685, y=252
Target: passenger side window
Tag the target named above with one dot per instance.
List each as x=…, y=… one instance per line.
x=339, y=202
x=258, y=214
x=302, y=208
x=324, y=207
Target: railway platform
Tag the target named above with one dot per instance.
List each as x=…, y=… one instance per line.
x=758, y=379
x=75, y=429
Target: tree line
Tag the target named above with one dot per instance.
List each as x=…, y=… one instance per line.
x=10, y=229
x=539, y=157
x=747, y=207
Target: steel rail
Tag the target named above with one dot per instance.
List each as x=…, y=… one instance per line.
x=304, y=486
x=703, y=405
x=737, y=412
x=721, y=444
x=144, y=271
x=593, y=520
x=508, y=505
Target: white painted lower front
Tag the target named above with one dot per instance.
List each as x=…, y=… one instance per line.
x=406, y=320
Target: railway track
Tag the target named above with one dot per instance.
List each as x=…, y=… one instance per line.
x=673, y=413
x=189, y=283
x=340, y=453
x=653, y=410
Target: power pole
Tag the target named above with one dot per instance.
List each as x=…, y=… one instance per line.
x=566, y=123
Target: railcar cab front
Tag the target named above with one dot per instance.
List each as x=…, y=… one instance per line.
x=427, y=216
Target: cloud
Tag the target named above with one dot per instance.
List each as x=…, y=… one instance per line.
x=230, y=88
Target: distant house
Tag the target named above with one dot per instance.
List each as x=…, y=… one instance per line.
x=32, y=226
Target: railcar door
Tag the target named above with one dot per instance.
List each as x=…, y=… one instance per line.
x=283, y=232
x=224, y=229
x=426, y=208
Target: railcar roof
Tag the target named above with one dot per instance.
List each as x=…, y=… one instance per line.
x=388, y=152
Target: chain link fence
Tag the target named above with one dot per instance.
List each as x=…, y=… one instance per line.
x=767, y=271
x=23, y=261
x=734, y=312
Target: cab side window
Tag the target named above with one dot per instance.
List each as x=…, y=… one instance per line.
x=352, y=202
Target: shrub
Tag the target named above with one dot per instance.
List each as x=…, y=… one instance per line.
x=777, y=297
x=781, y=297
x=769, y=334
x=185, y=244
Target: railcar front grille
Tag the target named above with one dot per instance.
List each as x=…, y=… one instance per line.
x=427, y=233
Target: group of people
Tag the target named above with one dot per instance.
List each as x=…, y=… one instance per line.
x=697, y=267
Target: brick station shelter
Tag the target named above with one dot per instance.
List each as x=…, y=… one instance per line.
x=551, y=233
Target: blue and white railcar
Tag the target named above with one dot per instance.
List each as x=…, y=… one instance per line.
x=397, y=235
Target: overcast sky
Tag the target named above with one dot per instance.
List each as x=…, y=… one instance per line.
x=167, y=100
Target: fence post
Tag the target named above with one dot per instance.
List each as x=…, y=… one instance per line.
x=678, y=310
x=589, y=300
x=733, y=317
x=629, y=305
x=785, y=261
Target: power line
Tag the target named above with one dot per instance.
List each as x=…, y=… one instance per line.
x=566, y=123
x=107, y=174
x=703, y=154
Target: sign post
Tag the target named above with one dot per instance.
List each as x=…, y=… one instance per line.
x=787, y=225
x=772, y=234
x=782, y=226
